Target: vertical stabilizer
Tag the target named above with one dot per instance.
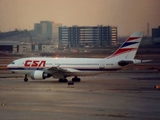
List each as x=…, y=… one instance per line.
x=129, y=48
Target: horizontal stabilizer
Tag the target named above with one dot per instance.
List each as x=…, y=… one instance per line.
x=144, y=61
x=125, y=62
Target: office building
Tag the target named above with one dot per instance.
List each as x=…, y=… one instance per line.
x=80, y=36
x=47, y=30
x=156, y=35
x=63, y=36
x=55, y=33
x=156, y=32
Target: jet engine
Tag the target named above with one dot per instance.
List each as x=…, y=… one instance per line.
x=39, y=75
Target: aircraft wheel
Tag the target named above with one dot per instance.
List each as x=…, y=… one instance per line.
x=63, y=80
x=76, y=79
x=25, y=79
x=73, y=79
x=60, y=80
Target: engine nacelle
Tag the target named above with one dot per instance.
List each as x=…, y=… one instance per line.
x=39, y=75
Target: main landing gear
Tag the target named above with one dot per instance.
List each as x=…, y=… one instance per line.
x=75, y=79
x=64, y=80
x=25, y=78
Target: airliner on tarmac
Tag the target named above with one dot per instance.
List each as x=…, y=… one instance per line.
x=42, y=67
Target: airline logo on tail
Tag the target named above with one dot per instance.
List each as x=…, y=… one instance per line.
x=129, y=47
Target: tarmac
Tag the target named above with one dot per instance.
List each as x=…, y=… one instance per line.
x=116, y=95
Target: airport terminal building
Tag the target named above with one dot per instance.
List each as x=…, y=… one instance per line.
x=9, y=46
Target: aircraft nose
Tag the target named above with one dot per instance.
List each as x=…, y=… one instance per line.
x=8, y=65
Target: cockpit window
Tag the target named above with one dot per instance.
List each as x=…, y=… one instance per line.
x=13, y=63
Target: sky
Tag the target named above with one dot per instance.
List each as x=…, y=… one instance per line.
x=127, y=15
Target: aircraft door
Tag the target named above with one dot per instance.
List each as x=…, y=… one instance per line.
x=20, y=64
x=102, y=64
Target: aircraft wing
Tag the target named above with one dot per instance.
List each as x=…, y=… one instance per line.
x=57, y=69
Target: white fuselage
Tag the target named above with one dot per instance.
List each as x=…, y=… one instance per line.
x=76, y=66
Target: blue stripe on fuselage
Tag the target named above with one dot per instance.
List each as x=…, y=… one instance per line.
x=81, y=69
x=25, y=68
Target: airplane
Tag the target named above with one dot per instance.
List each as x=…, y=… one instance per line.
x=43, y=67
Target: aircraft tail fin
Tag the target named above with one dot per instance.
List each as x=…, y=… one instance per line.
x=129, y=48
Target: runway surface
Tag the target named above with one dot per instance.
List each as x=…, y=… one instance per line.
x=111, y=96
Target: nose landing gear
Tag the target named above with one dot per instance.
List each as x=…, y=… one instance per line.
x=25, y=78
